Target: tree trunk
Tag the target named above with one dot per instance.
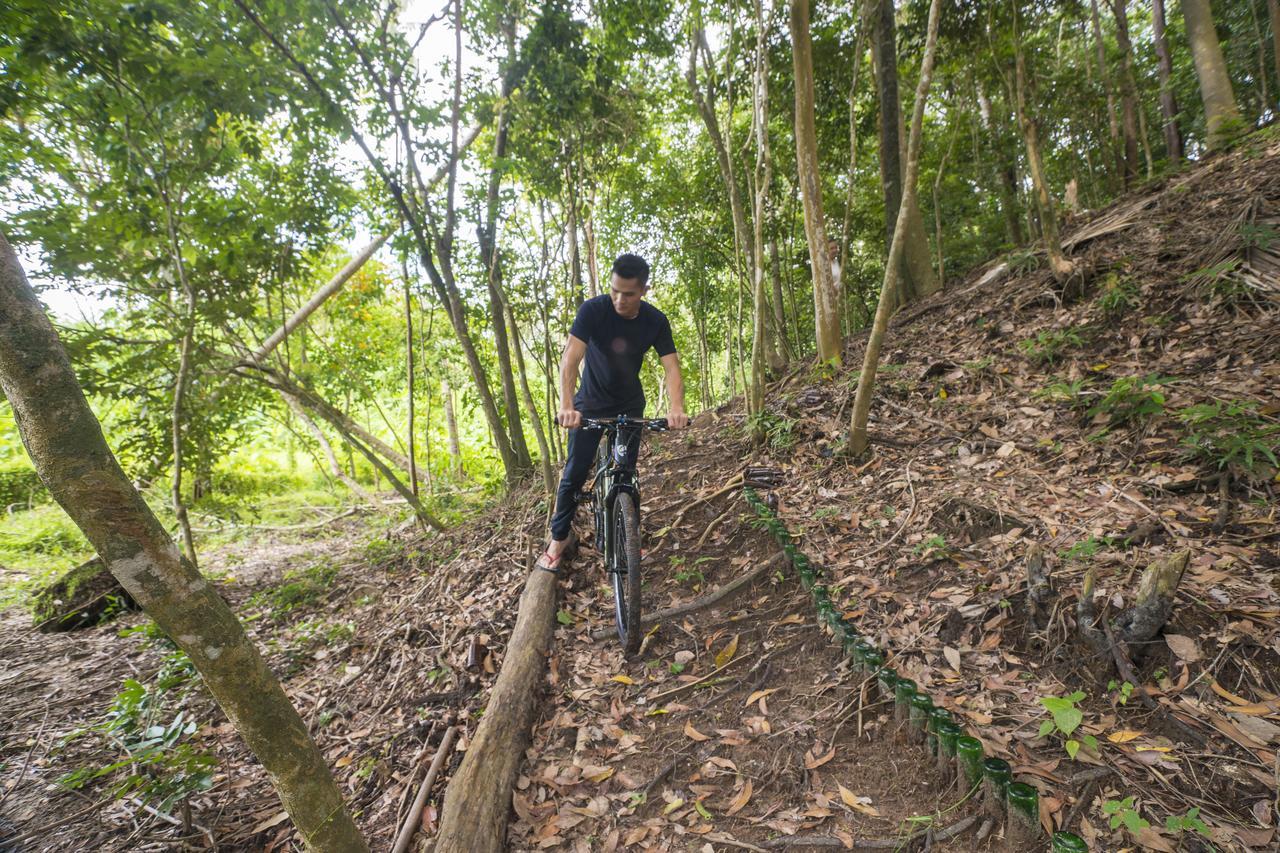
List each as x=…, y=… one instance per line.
x=593, y=260
x=705, y=102
x=181, y=380
x=492, y=261
x=408, y=370
x=892, y=268
x=1168, y=103
x=937, y=206
x=67, y=448
x=763, y=178
x=779, y=308
x=451, y=428
x=1264, y=98
x=1006, y=170
x=1104, y=76
x=826, y=302
x=917, y=279
x=1058, y=264
x=1128, y=93
x=477, y=804
x=336, y=420
x=1273, y=12
x=544, y=450
x=335, y=467
x=1221, y=114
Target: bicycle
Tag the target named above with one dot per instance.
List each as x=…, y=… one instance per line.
x=615, y=499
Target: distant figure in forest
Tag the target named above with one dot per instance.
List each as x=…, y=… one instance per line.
x=612, y=332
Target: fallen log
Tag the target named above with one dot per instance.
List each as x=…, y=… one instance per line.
x=477, y=804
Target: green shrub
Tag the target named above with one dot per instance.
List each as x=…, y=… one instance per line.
x=1131, y=399
x=1117, y=297
x=1231, y=435
x=1047, y=347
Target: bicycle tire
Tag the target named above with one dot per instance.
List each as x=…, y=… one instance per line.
x=625, y=572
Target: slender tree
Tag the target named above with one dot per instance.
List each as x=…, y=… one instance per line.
x=1222, y=116
x=66, y=445
x=858, y=438
x=826, y=302
x=762, y=179
x=1164, y=66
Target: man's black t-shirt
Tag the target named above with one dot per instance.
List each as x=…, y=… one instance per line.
x=615, y=351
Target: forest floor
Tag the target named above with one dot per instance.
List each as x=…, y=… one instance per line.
x=1094, y=421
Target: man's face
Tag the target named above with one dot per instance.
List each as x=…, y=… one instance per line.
x=626, y=294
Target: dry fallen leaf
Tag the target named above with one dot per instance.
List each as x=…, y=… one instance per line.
x=813, y=760
x=693, y=733
x=623, y=679
x=860, y=804
x=1184, y=647
x=1124, y=736
x=952, y=656
x=726, y=654
x=759, y=694
x=740, y=801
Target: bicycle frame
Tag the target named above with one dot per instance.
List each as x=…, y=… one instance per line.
x=615, y=473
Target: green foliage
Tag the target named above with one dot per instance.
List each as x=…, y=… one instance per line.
x=1231, y=435
x=778, y=430
x=1065, y=719
x=1086, y=548
x=1117, y=297
x=302, y=588
x=1187, y=822
x=1123, y=812
x=1048, y=346
x=1123, y=690
x=164, y=765
x=1064, y=391
x=933, y=547
x=1131, y=399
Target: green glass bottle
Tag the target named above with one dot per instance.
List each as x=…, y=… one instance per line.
x=1022, y=827
x=918, y=717
x=947, y=732
x=872, y=660
x=903, y=692
x=937, y=717
x=886, y=678
x=996, y=775
x=1068, y=842
x=969, y=760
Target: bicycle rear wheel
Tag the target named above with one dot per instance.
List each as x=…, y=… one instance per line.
x=625, y=571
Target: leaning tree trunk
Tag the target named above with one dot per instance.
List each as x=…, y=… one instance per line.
x=884, y=309
x=1220, y=111
x=1058, y=263
x=1273, y=12
x=477, y=804
x=1168, y=103
x=826, y=302
x=67, y=447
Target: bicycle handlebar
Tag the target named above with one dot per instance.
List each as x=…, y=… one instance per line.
x=654, y=424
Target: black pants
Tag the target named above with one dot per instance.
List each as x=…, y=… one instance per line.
x=580, y=457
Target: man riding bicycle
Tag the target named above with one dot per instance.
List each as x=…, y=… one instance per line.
x=612, y=333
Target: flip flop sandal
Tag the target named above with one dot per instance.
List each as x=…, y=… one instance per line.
x=549, y=563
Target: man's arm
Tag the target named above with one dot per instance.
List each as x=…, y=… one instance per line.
x=676, y=418
x=575, y=349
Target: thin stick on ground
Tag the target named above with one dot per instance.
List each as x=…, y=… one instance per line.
x=411, y=820
x=714, y=597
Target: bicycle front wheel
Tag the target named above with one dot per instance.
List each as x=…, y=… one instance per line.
x=625, y=571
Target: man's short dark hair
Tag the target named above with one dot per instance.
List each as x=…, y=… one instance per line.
x=632, y=266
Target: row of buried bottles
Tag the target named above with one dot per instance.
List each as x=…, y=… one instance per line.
x=917, y=720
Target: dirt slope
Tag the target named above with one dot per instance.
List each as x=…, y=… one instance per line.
x=1009, y=415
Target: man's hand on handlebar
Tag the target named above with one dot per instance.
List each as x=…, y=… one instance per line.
x=569, y=418
x=677, y=420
